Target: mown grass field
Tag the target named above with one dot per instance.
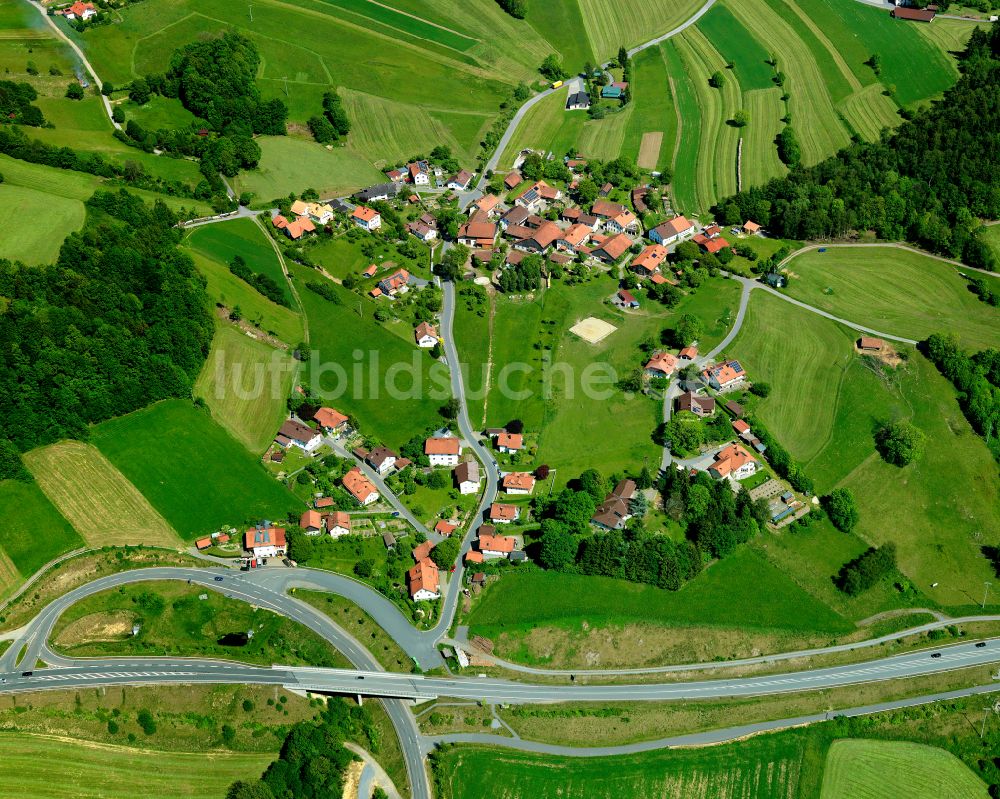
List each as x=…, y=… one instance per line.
x=229, y=291
x=405, y=22
x=860, y=769
x=223, y=241
x=685, y=157
x=246, y=384
x=760, y=155
x=992, y=237
x=562, y=24
x=27, y=512
x=609, y=26
x=104, y=507
x=869, y=111
x=38, y=765
x=764, y=768
x=292, y=165
x=897, y=291
x=338, y=334
x=653, y=107
x=31, y=243
x=191, y=470
x=825, y=406
x=736, y=44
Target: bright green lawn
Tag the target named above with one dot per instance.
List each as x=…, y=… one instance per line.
x=689, y=131
x=33, y=530
x=562, y=24
x=32, y=243
x=191, y=470
x=405, y=22
x=744, y=590
x=40, y=766
x=767, y=767
x=160, y=112
x=338, y=334
x=244, y=238
x=896, y=291
x=654, y=109
x=861, y=769
x=738, y=45
x=824, y=406
x=992, y=237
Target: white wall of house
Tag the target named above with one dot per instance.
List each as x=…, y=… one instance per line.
x=443, y=460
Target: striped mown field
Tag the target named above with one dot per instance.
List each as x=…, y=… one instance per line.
x=631, y=22
x=760, y=155
x=869, y=111
x=41, y=765
x=103, y=506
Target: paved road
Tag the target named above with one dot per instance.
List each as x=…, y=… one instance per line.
x=898, y=246
x=241, y=213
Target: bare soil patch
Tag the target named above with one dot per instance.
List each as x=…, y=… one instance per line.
x=112, y=625
x=593, y=330
x=649, y=149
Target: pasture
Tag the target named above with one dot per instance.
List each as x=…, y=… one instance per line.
x=191, y=470
x=370, y=370
x=652, y=126
x=228, y=290
x=824, y=407
x=897, y=291
x=27, y=511
x=549, y=127
x=39, y=765
x=36, y=244
x=869, y=111
x=104, y=507
x=991, y=236
x=736, y=44
x=246, y=384
x=292, y=165
x=764, y=768
x=420, y=28
x=223, y=241
x=863, y=769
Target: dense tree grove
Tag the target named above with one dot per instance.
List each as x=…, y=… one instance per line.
x=867, y=569
x=977, y=379
x=119, y=321
x=16, y=104
x=264, y=284
x=840, y=506
x=333, y=123
x=927, y=182
x=525, y=276
x=313, y=758
x=516, y=8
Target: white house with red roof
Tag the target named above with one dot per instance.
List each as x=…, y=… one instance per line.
x=84, y=11
x=671, y=231
x=724, y=375
x=518, y=483
x=426, y=335
x=311, y=522
x=264, y=541
x=330, y=421
x=443, y=451
x=661, y=364
x=501, y=513
x=496, y=546
x=367, y=218
x=360, y=487
x=337, y=523
x=509, y=442
x=294, y=433
x=733, y=462
x=424, y=581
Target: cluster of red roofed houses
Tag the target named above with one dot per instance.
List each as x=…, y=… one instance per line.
x=489, y=545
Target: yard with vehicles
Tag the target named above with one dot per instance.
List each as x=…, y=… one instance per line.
x=246, y=384
x=828, y=400
x=172, y=618
x=103, y=506
x=22, y=552
x=907, y=293
x=203, y=480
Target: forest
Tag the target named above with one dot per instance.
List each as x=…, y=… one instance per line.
x=929, y=182
x=121, y=320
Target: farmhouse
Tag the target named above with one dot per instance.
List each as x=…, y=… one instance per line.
x=381, y=459
x=294, y=230
x=496, y=546
x=443, y=451
x=381, y=191
x=578, y=101
x=541, y=239
x=367, y=218
x=869, y=344
x=575, y=236
x=610, y=250
x=337, y=523
x=696, y=404
x=613, y=513
x=424, y=581
x=360, y=487
x=82, y=10
x=293, y=433
x=426, y=335
x=625, y=299
x=504, y=514
x=625, y=222
x=264, y=541
x=662, y=364
x=312, y=522
x=509, y=442
x=647, y=262
x=396, y=283
x=724, y=375
x=671, y=231
x=518, y=483
x=460, y=181
x=330, y=421
x=466, y=476
x=604, y=210
x=478, y=232
x=733, y=462
x=419, y=173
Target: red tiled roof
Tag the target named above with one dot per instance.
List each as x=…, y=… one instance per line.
x=364, y=213
x=329, y=418
x=496, y=543
x=267, y=536
x=423, y=576
x=444, y=528
x=338, y=519
x=442, y=446
x=510, y=440
x=311, y=518
x=498, y=510
x=358, y=485
x=520, y=481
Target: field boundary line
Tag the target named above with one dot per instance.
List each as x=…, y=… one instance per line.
x=425, y=21
x=838, y=59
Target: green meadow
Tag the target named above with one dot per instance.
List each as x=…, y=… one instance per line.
x=34, y=532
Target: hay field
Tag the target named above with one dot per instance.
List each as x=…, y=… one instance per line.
x=97, y=499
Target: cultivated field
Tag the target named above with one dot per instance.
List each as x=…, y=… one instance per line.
x=649, y=149
x=222, y=242
x=859, y=769
x=609, y=26
x=760, y=155
x=653, y=112
x=26, y=510
x=104, y=507
x=246, y=384
x=191, y=470
x=824, y=406
x=897, y=291
x=868, y=111
x=764, y=768
x=291, y=165
x=36, y=244
x=38, y=765
x=689, y=127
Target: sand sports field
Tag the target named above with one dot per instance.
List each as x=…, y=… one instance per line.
x=593, y=330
